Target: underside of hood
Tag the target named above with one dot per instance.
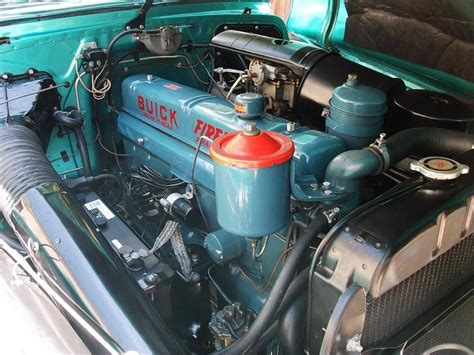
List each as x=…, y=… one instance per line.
x=430, y=37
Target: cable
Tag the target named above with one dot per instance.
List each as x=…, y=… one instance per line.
x=232, y=88
x=97, y=94
x=216, y=285
x=277, y=294
x=212, y=78
x=193, y=183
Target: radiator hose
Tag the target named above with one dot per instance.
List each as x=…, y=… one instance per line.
x=428, y=141
x=347, y=170
x=266, y=316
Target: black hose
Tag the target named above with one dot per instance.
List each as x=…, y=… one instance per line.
x=24, y=165
x=291, y=326
x=269, y=334
x=83, y=151
x=74, y=121
x=266, y=315
x=428, y=141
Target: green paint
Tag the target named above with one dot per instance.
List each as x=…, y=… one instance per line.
x=51, y=43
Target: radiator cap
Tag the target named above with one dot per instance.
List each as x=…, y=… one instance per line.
x=439, y=168
x=252, y=148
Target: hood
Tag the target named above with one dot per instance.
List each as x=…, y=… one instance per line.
x=430, y=42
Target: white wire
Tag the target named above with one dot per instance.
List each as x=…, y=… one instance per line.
x=232, y=88
x=76, y=90
x=98, y=94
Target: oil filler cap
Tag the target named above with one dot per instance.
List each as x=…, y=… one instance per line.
x=439, y=168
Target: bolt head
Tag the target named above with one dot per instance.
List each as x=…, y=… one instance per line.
x=250, y=129
x=291, y=126
x=151, y=279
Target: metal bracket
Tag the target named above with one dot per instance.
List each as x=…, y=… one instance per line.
x=139, y=21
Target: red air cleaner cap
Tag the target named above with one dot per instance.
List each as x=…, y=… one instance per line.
x=252, y=148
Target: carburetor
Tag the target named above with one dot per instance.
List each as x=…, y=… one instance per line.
x=277, y=83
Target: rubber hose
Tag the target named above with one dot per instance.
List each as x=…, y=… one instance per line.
x=265, y=339
x=428, y=141
x=291, y=326
x=24, y=165
x=83, y=151
x=74, y=121
x=266, y=315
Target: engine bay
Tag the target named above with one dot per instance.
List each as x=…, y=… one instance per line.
x=256, y=194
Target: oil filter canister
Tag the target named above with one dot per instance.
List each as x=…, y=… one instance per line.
x=356, y=113
x=252, y=170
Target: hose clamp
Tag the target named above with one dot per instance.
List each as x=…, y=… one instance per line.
x=332, y=214
x=379, y=147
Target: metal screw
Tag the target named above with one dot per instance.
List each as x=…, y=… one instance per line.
x=128, y=28
x=326, y=185
x=149, y=77
x=314, y=186
x=57, y=241
x=347, y=229
x=327, y=192
x=141, y=27
x=31, y=71
x=257, y=28
x=377, y=245
x=151, y=279
x=140, y=140
x=226, y=28
x=290, y=126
